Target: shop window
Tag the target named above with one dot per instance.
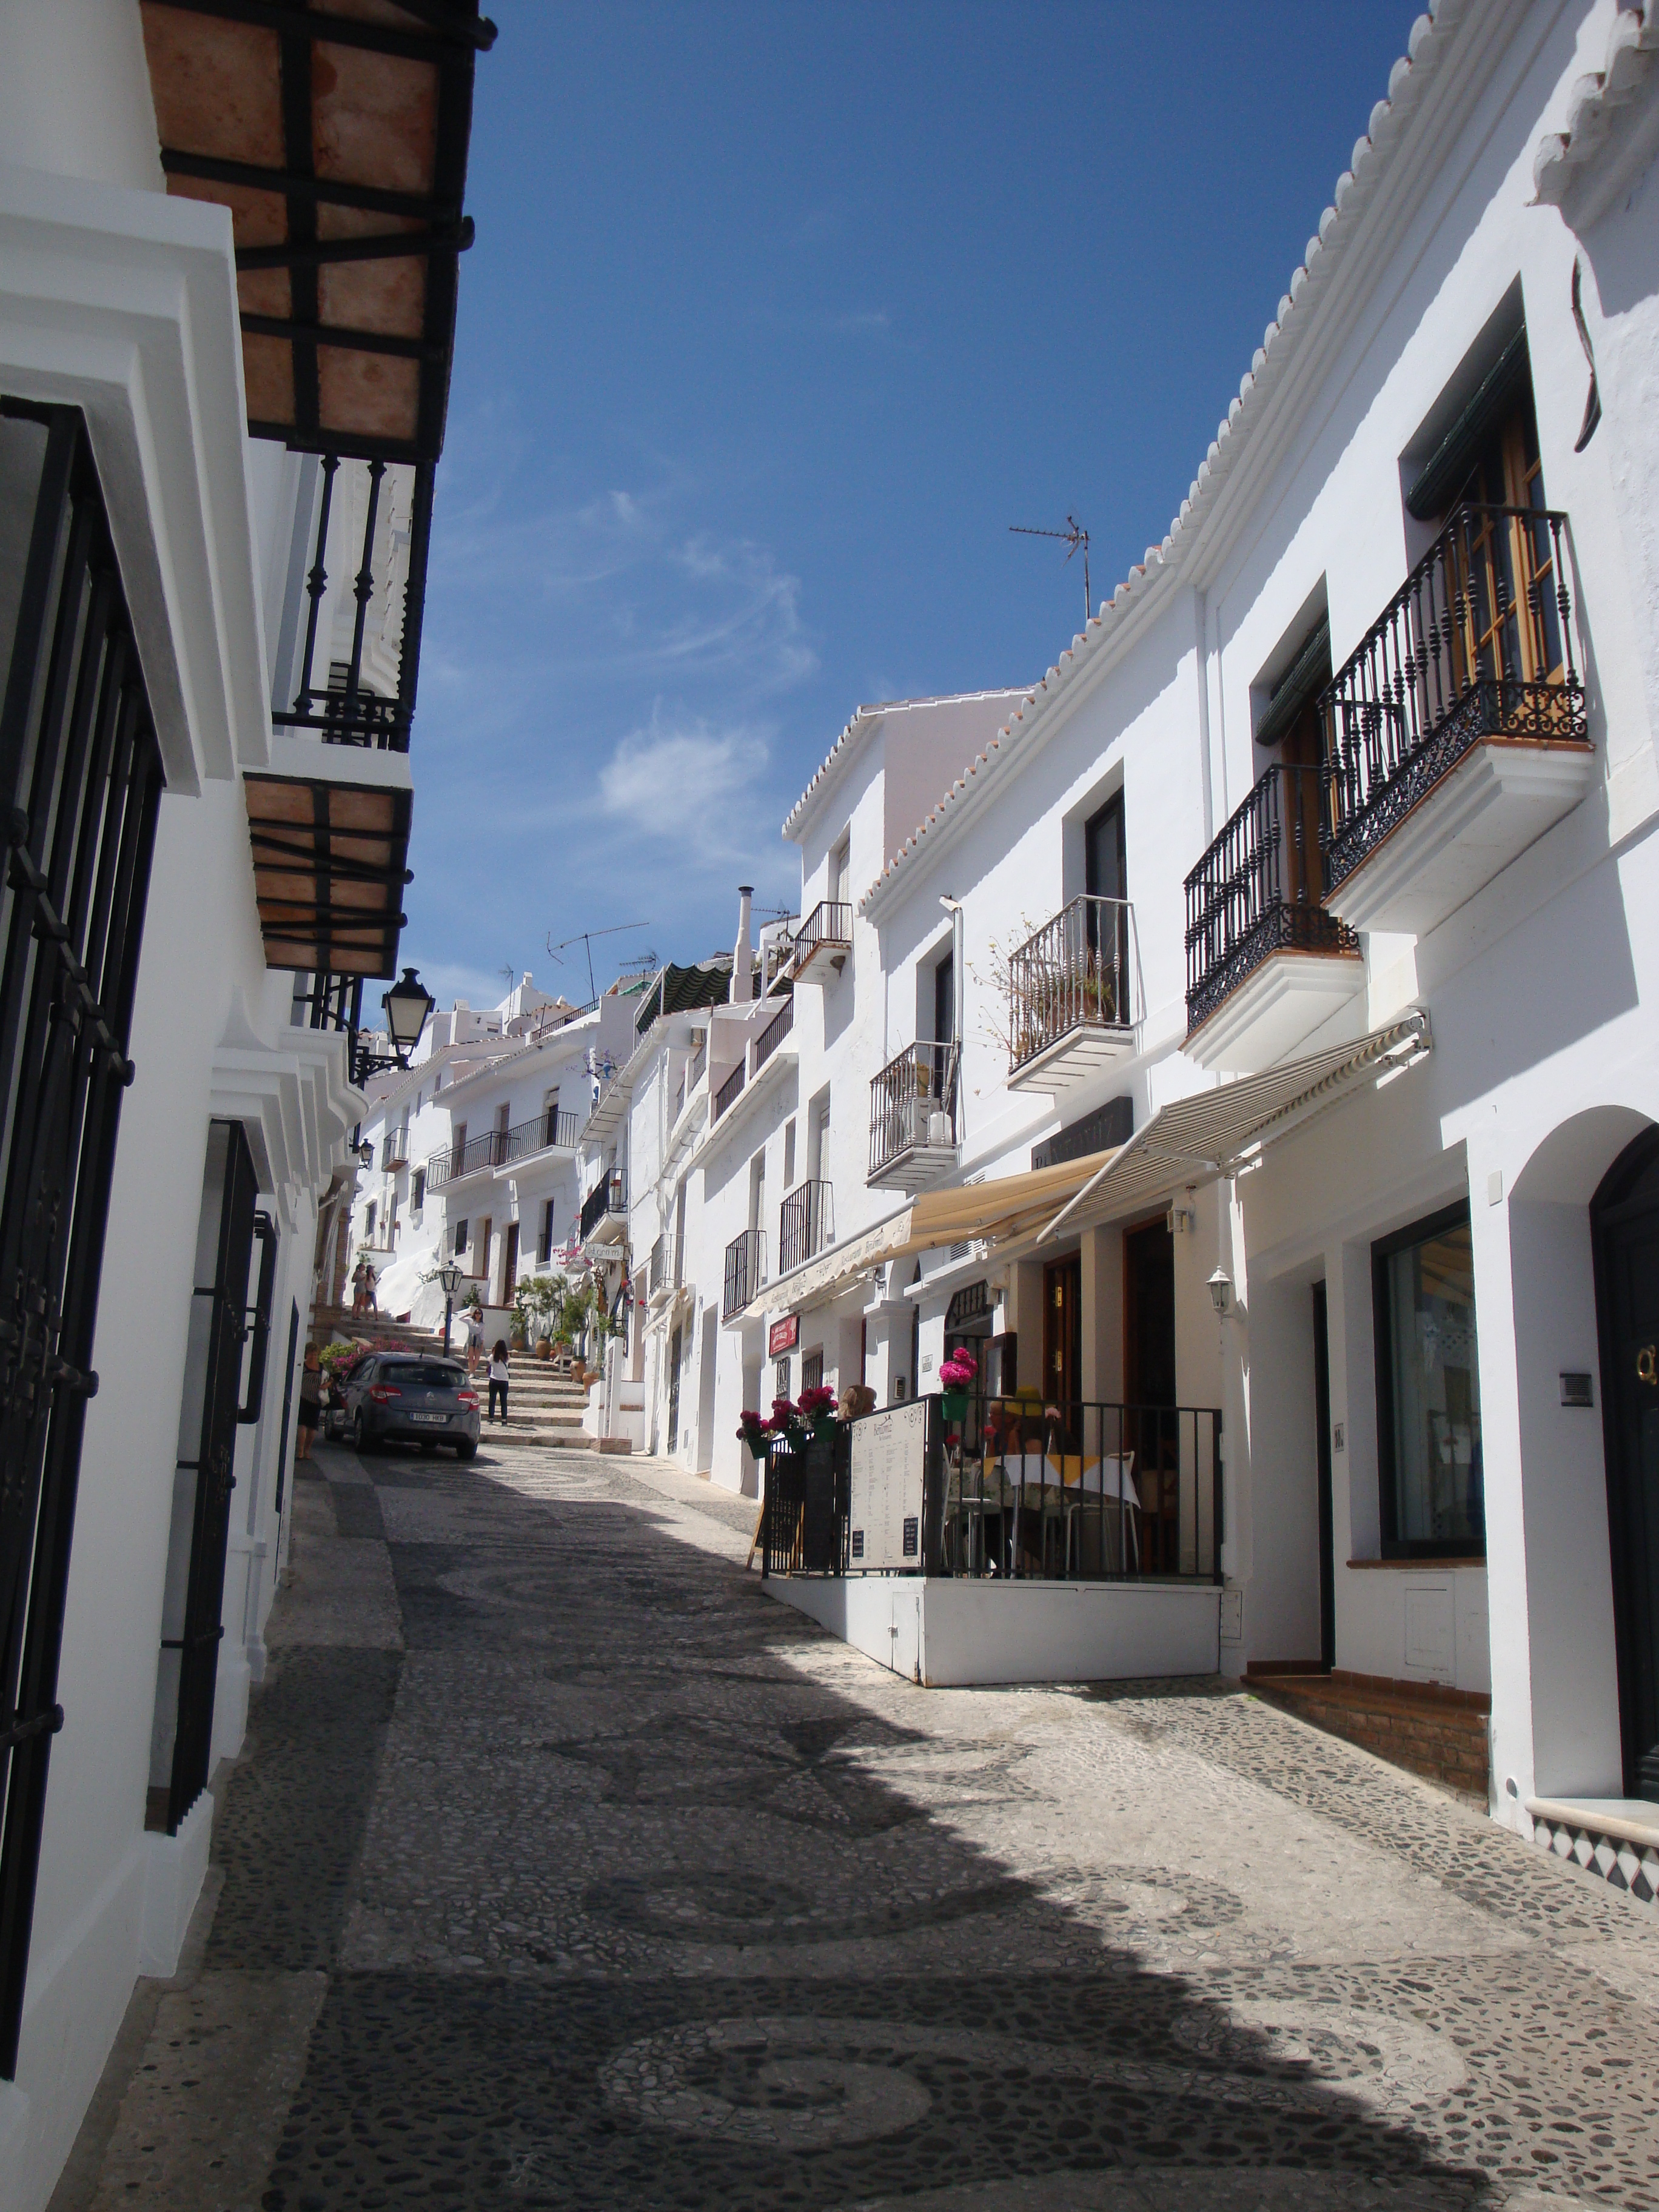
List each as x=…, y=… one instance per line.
x=1428, y=1390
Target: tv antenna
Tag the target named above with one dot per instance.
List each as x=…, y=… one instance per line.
x=585, y=938
x=1073, y=538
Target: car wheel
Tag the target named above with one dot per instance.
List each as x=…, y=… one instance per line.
x=468, y=1450
x=360, y=1436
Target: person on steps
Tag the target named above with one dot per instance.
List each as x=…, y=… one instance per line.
x=310, y=1402
x=498, y=1378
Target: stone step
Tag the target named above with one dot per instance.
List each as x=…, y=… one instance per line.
x=1437, y=1733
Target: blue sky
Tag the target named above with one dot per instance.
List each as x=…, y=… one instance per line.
x=778, y=317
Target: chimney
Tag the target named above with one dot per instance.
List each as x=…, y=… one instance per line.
x=743, y=954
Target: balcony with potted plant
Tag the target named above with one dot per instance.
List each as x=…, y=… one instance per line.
x=1071, y=1005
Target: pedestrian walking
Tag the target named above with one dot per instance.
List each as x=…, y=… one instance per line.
x=310, y=1402
x=498, y=1378
x=474, y=1337
x=372, y=1304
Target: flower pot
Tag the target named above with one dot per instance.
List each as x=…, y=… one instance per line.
x=544, y=1348
x=953, y=1404
x=757, y=1446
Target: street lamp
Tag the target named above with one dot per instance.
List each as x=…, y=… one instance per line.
x=1221, y=1290
x=407, y=1003
x=365, y=1153
x=449, y=1279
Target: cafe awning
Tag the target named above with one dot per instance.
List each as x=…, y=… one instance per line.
x=337, y=137
x=330, y=864
x=999, y=1210
x=1216, y=1132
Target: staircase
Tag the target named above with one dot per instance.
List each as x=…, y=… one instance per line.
x=542, y=1408
x=328, y=1323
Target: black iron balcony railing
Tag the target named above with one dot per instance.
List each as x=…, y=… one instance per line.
x=343, y=709
x=1476, y=643
x=394, y=1152
x=608, y=1195
x=1011, y=1488
x=913, y=1102
x=1075, y=972
x=829, y=927
x=774, y=1034
x=496, y=1148
x=745, y=1270
x=806, y=1223
x=1257, y=891
x=727, y=1093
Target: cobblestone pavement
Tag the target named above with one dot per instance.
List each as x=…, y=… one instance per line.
x=564, y=1868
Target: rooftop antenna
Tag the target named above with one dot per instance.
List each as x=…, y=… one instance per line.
x=1073, y=537
x=585, y=938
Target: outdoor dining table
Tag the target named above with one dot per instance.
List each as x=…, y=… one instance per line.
x=1075, y=1476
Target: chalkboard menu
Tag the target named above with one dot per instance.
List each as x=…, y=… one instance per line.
x=888, y=1483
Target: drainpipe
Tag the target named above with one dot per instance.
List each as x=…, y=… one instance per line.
x=743, y=955
x=958, y=994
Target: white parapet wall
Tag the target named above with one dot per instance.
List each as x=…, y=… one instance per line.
x=945, y=1633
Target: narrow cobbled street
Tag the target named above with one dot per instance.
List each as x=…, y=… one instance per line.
x=564, y=1868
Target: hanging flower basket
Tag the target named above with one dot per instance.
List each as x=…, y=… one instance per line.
x=956, y=1380
x=954, y=1403
x=754, y=1432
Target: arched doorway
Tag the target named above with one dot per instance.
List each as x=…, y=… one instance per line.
x=1625, y=1222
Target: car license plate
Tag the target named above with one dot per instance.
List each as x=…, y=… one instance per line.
x=430, y=1417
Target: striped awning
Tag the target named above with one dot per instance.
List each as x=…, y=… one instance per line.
x=1216, y=1132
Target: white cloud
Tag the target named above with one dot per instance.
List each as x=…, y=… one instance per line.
x=694, y=784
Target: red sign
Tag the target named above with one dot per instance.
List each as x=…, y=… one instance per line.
x=782, y=1336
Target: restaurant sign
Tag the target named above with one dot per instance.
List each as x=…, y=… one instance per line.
x=783, y=1336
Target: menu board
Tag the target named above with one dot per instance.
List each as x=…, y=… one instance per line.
x=889, y=1481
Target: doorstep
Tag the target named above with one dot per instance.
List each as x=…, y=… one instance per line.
x=1617, y=1838
x=1439, y=1734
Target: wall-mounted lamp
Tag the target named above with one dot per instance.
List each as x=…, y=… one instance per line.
x=1221, y=1290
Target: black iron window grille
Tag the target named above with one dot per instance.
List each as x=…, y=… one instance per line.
x=806, y=1224
x=342, y=708
x=745, y=1270
x=1257, y=891
x=731, y=1088
x=80, y=779
x=212, y=1405
x=1476, y=643
x=1074, y=973
x=913, y=1101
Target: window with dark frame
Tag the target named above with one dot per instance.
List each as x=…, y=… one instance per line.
x=812, y=1370
x=1428, y=1390
x=460, y=1238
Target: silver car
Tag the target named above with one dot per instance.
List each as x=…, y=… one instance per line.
x=411, y=1398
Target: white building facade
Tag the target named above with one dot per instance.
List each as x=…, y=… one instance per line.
x=207, y=787
x=1272, y=986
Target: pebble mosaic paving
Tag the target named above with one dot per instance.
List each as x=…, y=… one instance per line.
x=627, y=1888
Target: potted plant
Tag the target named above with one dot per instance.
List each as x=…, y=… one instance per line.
x=816, y=1409
x=754, y=1432
x=956, y=1380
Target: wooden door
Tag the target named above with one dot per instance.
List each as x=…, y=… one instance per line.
x=1062, y=1330
x=1627, y=1219
x=1150, y=1428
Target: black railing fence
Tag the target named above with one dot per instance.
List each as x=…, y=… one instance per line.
x=339, y=706
x=497, y=1148
x=1476, y=643
x=1010, y=1488
x=1257, y=891
x=1074, y=972
x=608, y=1195
x=830, y=924
x=745, y=1270
x=913, y=1102
x=806, y=1223
x=774, y=1034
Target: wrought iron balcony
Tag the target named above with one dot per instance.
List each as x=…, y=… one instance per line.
x=608, y=1199
x=1070, y=996
x=1255, y=894
x=548, y=1131
x=806, y=1224
x=745, y=1270
x=913, y=1117
x=730, y=1088
x=1474, y=650
x=394, y=1152
x=774, y=1034
x=823, y=939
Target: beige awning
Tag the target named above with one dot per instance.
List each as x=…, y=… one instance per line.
x=998, y=1211
x=1218, y=1132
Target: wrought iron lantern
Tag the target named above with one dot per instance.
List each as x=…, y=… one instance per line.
x=408, y=1004
x=449, y=1281
x=1221, y=1290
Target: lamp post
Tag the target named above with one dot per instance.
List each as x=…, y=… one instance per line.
x=449, y=1276
x=408, y=1004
